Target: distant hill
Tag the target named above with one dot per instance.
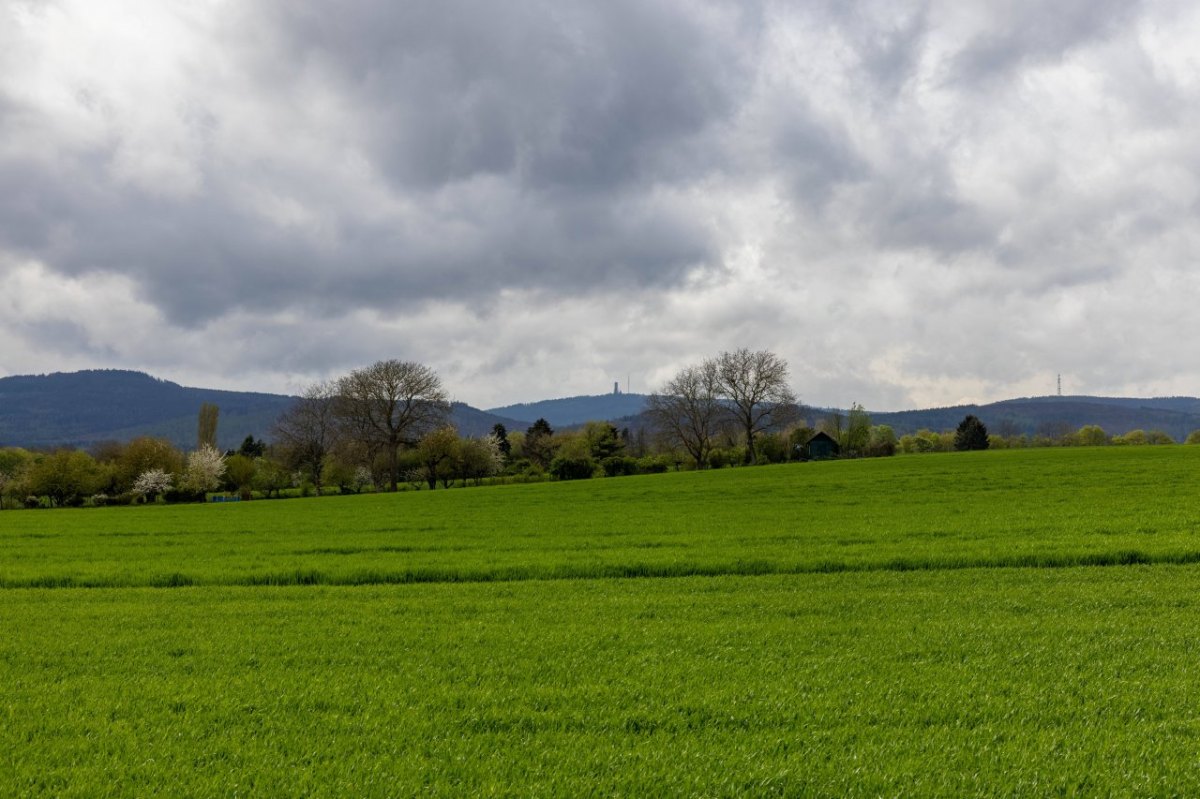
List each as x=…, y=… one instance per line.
x=1176, y=416
x=576, y=410
x=81, y=408
x=474, y=422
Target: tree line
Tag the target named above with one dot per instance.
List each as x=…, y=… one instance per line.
x=386, y=427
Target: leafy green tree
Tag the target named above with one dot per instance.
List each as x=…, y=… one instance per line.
x=438, y=454
x=240, y=473
x=272, y=475
x=573, y=460
x=144, y=454
x=66, y=477
x=1091, y=435
x=971, y=434
x=881, y=442
x=13, y=463
x=858, y=431
x=1193, y=437
x=479, y=458
x=252, y=447
x=1158, y=437
x=539, y=444
x=1135, y=438
x=603, y=440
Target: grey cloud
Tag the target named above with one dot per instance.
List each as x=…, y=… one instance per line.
x=573, y=112
x=1029, y=31
x=556, y=94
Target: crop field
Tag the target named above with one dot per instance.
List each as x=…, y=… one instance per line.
x=1005, y=623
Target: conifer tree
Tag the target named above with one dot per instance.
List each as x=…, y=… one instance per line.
x=971, y=434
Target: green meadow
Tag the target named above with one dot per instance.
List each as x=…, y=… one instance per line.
x=1017, y=623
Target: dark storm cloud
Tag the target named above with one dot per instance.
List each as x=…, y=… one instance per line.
x=559, y=95
x=526, y=143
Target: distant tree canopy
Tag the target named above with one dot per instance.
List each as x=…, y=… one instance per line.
x=500, y=433
x=252, y=447
x=539, y=445
x=688, y=411
x=741, y=389
x=755, y=384
x=388, y=405
x=971, y=434
x=307, y=432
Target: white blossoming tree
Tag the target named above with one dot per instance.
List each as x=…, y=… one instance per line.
x=151, y=483
x=204, y=469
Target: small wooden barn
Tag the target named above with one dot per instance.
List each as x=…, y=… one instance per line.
x=822, y=445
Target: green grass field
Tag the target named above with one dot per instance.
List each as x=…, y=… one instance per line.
x=1007, y=623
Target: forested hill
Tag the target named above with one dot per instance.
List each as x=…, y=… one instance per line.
x=1053, y=416
x=79, y=408
x=576, y=410
x=100, y=404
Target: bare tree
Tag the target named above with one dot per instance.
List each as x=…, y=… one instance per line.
x=308, y=431
x=756, y=385
x=388, y=405
x=688, y=410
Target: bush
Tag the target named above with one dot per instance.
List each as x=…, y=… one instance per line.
x=772, y=448
x=572, y=468
x=1158, y=437
x=653, y=464
x=720, y=458
x=177, y=496
x=619, y=466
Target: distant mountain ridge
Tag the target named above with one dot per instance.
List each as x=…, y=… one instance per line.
x=569, y=411
x=81, y=408
x=1052, y=415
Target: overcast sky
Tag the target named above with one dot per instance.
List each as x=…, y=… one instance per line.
x=913, y=203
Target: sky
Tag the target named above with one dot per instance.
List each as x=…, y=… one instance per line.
x=914, y=203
